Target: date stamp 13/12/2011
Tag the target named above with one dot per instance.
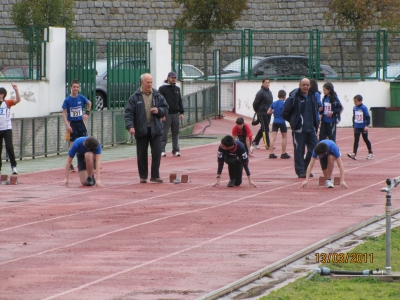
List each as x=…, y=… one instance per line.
x=344, y=258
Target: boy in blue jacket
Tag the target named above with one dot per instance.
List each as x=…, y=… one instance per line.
x=361, y=121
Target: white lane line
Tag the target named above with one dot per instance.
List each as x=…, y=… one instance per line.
x=205, y=242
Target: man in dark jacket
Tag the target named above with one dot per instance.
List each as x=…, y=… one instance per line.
x=300, y=110
x=261, y=104
x=172, y=94
x=143, y=114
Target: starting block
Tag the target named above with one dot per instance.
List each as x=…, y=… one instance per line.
x=13, y=179
x=321, y=180
x=174, y=178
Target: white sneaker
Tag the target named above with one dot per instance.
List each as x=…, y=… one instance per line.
x=352, y=155
x=14, y=170
x=370, y=156
x=163, y=154
x=329, y=183
x=177, y=154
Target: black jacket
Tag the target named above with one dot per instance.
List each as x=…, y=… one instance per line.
x=262, y=101
x=172, y=94
x=291, y=110
x=135, y=114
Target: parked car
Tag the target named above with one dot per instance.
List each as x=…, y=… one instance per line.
x=190, y=71
x=101, y=78
x=18, y=72
x=234, y=67
x=392, y=72
x=281, y=66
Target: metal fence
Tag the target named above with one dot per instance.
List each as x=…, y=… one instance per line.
x=21, y=53
x=288, y=54
x=44, y=136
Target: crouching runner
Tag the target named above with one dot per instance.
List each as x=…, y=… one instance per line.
x=235, y=155
x=88, y=152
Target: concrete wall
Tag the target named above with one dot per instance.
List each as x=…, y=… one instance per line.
x=375, y=94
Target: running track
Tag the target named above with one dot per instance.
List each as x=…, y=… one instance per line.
x=177, y=241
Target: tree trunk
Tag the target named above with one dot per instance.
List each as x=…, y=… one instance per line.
x=360, y=56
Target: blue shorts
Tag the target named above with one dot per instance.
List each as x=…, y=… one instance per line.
x=277, y=126
x=78, y=130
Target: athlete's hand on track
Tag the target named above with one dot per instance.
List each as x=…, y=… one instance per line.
x=252, y=184
x=304, y=184
x=342, y=183
x=216, y=182
x=98, y=183
x=65, y=182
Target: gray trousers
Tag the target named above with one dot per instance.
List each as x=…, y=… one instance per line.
x=172, y=122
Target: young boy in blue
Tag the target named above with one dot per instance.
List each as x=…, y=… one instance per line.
x=361, y=121
x=233, y=153
x=73, y=114
x=88, y=153
x=278, y=124
x=327, y=152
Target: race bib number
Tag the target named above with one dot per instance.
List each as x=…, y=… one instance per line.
x=76, y=111
x=2, y=112
x=327, y=108
x=358, y=116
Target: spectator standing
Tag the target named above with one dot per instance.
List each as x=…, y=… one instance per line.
x=300, y=110
x=242, y=132
x=143, y=113
x=235, y=156
x=261, y=104
x=361, y=121
x=278, y=124
x=75, y=114
x=6, y=125
x=172, y=95
x=331, y=111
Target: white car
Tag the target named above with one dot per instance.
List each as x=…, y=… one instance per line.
x=392, y=73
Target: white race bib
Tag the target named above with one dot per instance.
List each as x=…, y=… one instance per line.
x=75, y=112
x=358, y=116
x=327, y=108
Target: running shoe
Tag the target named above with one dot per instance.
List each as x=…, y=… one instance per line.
x=370, y=156
x=329, y=183
x=285, y=155
x=163, y=154
x=14, y=170
x=71, y=168
x=89, y=181
x=231, y=183
x=273, y=156
x=176, y=154
x=352, y=156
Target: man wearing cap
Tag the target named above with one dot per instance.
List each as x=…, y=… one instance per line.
x=172, y=94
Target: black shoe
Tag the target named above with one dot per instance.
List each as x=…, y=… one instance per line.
x=158, y=180
x=89, y=181
x=285, y=155
x=273, y=156
x=71, y=168
x=94, y=180
x=311, y=175
x=231, y=183
x=302, y=175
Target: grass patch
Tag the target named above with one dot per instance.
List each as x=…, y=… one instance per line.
x=358, y=288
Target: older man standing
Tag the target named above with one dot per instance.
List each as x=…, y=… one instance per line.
x=300, y=110
x=143, y=113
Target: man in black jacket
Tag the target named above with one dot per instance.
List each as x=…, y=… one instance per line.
x=172, y=94
x=143, y=113
x=261, y=104
x=300, y=110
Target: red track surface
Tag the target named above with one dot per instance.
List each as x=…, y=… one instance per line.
x=177, y=241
